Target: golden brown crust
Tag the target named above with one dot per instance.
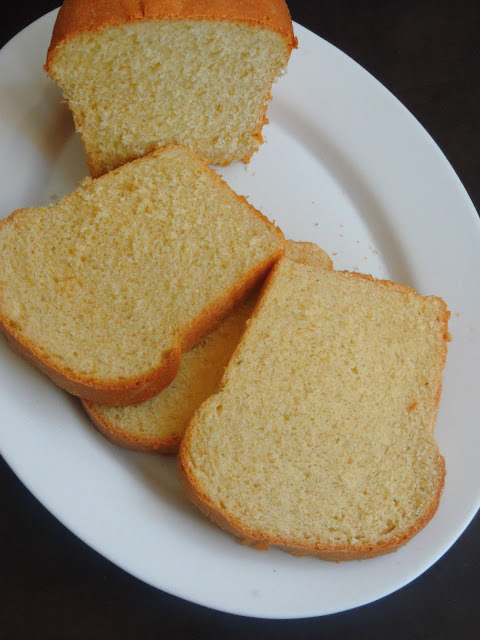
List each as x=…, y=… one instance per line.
x=190, y=338
x=138, y=389
x=123, y=393
x=219, y=310
x=80, y=16
x=170, y=444
x=127, y=440
x=193, y=334
x=261, y=540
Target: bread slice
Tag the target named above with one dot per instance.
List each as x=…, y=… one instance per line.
x=157, y=425
x=138, y=75
x=104, y=290
x=320, y=439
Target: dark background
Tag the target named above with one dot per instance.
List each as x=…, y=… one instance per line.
x=53, y=586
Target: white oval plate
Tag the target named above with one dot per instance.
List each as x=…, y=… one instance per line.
x=344, y=165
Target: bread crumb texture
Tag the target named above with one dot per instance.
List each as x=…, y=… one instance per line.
x=157, y=425
x=136, y=86
x=104, y=281
x=321, y=437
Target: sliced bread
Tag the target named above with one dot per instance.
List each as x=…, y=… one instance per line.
x=320, y=439
x=104, y=290
x=157, y=425
x=138, y=75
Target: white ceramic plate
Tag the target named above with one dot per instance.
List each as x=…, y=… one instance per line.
x=344, y=165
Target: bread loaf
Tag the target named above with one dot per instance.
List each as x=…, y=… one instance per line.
x=104, y=290
x=157, y=425
x=138, y=75
x=320, y=438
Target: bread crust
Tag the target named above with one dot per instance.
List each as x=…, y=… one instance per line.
x=129, y=441
x=140, y=388
x=92, y=16
x=126, y=392
x=81, y=16
x=262, y=540
x=303, y=252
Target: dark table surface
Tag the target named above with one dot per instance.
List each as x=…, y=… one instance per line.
x=54, y=586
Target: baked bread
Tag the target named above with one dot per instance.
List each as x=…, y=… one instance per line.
x=320, y=439
x=104, y=290
x=138, y=75
x=157, y=425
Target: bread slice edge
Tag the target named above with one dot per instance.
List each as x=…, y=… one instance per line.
x=139, y=388
x=301, y=252
x=331, y=552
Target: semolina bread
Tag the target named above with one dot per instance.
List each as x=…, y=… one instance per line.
x=139, y=75
x=105, y=289
x=320, y=438
x=157, y=425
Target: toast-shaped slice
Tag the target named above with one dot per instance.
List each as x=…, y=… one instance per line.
x=138, y=75
x=320, y=439
x=104, y=290
x=157, y=425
